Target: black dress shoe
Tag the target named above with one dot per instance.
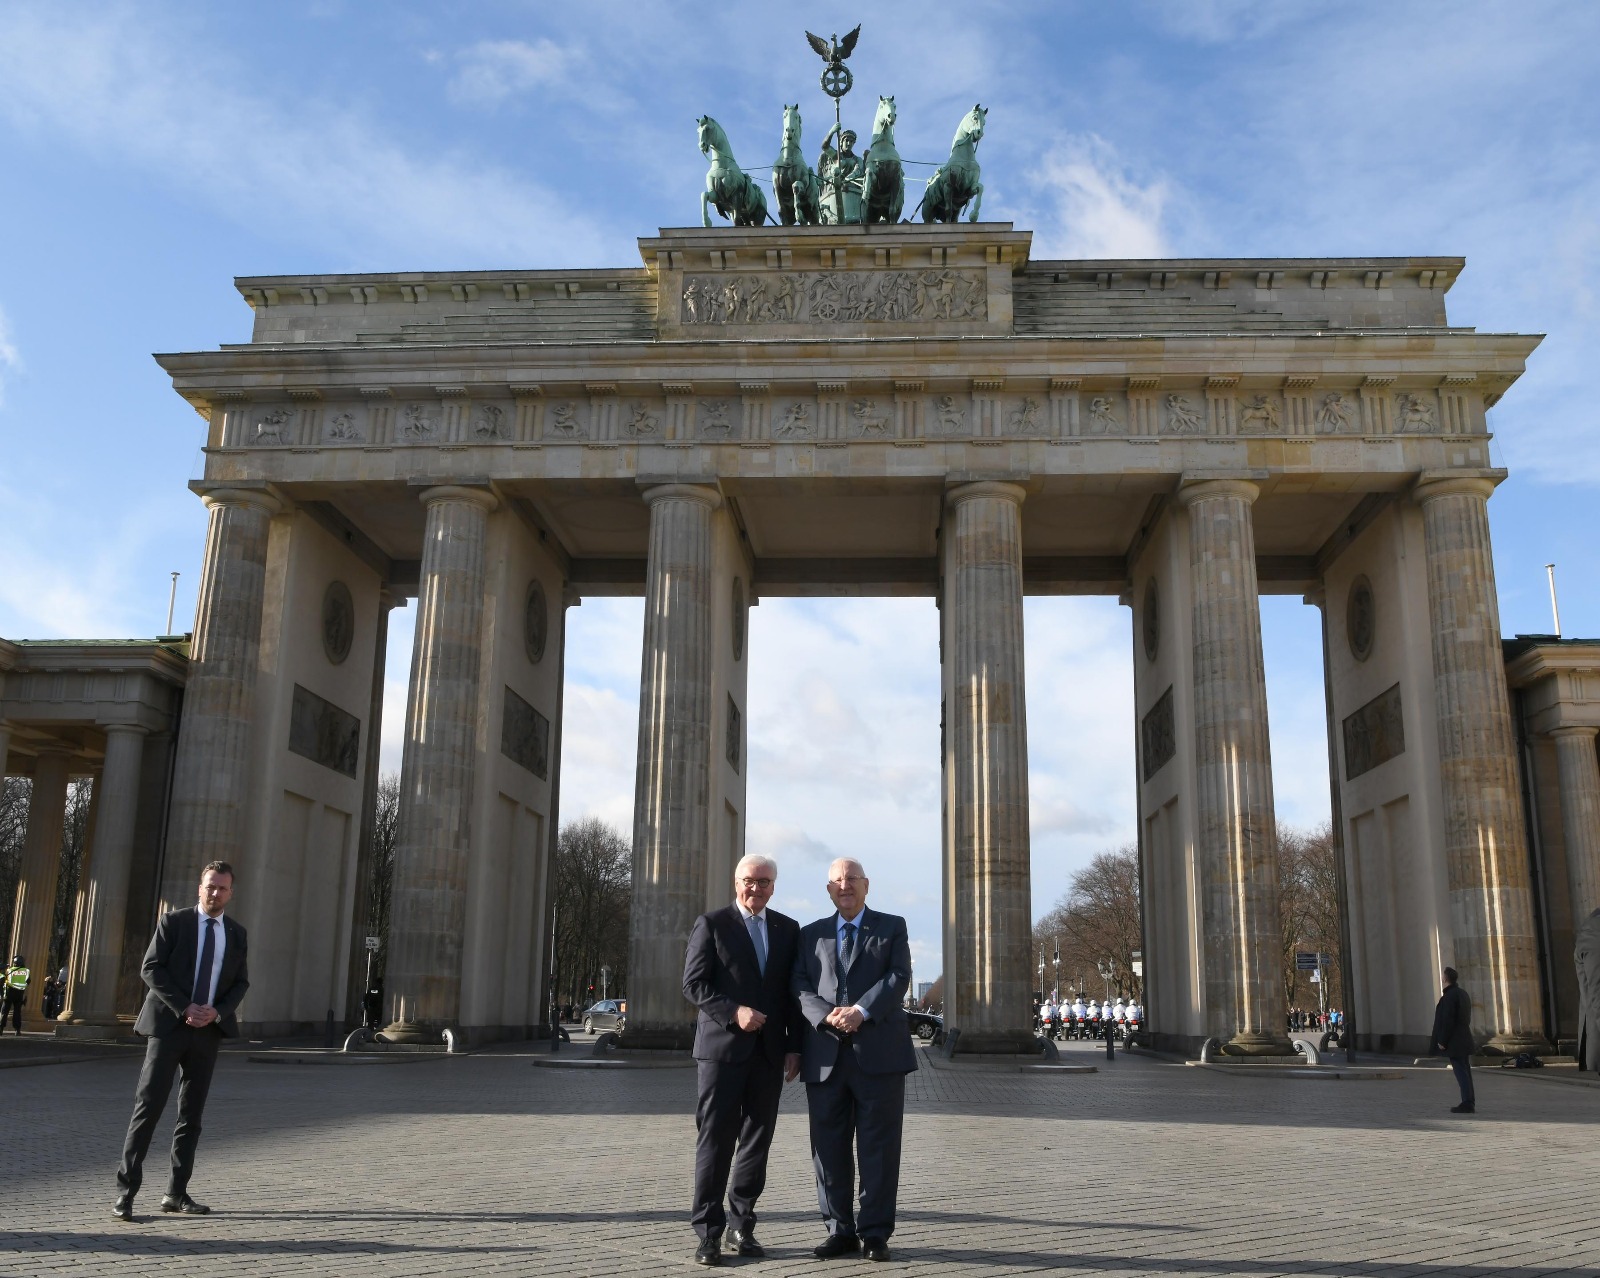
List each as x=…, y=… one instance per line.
x=184, y=1204
x=122, y=1209
x=709, y=1252
x=1463, y=1109
x=875, y=1249
x=836, y=1245
x=742, y=1242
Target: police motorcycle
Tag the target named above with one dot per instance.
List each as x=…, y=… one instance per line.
x=1134, y=1022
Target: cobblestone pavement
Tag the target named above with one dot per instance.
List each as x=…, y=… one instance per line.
x=487, y=1165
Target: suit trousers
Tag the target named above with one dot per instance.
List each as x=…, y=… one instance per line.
x=870, y=1109
x=192, y=1053
x=738, y=1107
x=1463, y=1071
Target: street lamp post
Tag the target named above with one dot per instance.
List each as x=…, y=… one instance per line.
x=605, y=976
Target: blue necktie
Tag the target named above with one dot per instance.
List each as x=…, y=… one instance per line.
x=202, y=976
x=754, y=924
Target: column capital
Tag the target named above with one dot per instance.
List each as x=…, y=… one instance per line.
x=136, y=729
x=958, y=493
x=1588, y=730
x=1317, y=596
x=1197, y=488
x=479, y=497
x=705, y=494
x=259, y=498
x=1432, y=484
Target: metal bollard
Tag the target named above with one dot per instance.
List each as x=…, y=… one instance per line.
x=1111, y=1042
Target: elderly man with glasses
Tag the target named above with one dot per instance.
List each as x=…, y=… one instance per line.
x=746, y=1046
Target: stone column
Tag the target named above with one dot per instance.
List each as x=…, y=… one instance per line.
x=1237, y=829
x=1486, y=853
x=103, y=894
x=671, y=824
x=356, y=982
x=1578, y=773
x=34, y=914
x=428, y=910
x=211, y=781
x=992, y=1001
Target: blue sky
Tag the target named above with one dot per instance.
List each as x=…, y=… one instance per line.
x=154, y=151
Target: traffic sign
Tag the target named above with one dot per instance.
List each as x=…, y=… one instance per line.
x=373, y=942
x=1304, y=962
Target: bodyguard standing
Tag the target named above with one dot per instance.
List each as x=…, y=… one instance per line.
x=746, y=1046
x=851, y=976
x=195, y=968
x=1452, y=1035
x=16, y=992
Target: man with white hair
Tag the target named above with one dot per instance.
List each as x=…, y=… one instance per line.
x=851, y=974
x=746, y=1046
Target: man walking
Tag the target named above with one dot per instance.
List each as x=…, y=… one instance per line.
x=1452, y=1035
x=746, y=1046
x=195, y=968
x=16, y=992
x=851, y=976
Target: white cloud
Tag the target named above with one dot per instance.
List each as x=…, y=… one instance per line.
x=491, y=71
x=10, y=356
x=1095, y=206
x=133, y=95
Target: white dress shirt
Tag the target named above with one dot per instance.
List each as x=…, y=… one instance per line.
x=219, y=945
x=760, y=916
x=839, y=922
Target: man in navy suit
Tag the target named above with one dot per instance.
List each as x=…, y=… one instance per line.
x=851, y=976
x=195, y=968
x=746, y=1045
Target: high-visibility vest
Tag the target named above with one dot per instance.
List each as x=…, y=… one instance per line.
x=17, y=978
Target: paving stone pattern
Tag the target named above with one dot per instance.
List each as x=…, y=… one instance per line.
x=487, y=1165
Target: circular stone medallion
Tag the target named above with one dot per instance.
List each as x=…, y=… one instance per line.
x=535, y=622
x=1360, y=618
x=338, y=621
x=738, y=619
x=1152, y=620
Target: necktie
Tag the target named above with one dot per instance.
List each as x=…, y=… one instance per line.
x=847, y=952
x=759, y=941
x=202, y=976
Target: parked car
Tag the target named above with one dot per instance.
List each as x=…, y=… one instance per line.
x=925, y=1024
x=607, y=1014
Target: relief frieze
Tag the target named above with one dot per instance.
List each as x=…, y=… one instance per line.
x=829, y=297
x=1374, y=734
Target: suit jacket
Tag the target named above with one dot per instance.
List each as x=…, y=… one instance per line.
x=168, y=970
x=1452, y=1022
x=721, y=974
x=878, y=978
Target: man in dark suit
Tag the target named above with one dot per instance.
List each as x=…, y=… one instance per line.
x=851, y=976
x=746, y=1045
x=195, y=968
x=1452, y=1035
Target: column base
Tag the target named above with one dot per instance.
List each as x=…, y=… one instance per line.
x=413, y=1032
x=997, y=1043
x=1515, y=1043
x=1259, y=1045
x=82, y=1027
x=656, y=1038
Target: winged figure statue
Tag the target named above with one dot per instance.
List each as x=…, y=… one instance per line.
x=838, y=50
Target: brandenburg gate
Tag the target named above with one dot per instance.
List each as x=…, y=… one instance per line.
x=878, y=410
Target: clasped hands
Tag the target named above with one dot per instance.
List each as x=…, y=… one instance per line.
x=847, y=1020
x=198, y=1016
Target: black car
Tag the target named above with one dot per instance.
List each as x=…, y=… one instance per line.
x=925, y=1024
x=607, y=1014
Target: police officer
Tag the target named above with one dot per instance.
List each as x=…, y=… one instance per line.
x=16, y=989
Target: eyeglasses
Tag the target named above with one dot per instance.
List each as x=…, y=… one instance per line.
x=757, y=883
x=849, y=878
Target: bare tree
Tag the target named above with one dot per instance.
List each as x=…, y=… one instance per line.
x=934, y=1002
x=1097, y=922
x=593, y=894
x=74, y=845
x=385, y=826
x=1308, y=906
x=15, y=794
